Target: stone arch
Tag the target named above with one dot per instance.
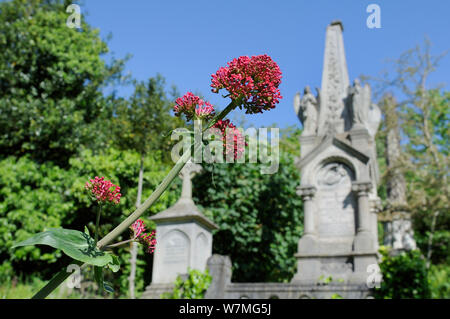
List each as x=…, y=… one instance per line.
x=175, y=252
x=319, y=162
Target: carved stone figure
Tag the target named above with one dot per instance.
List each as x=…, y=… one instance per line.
x=307, y=111
x=360, y=97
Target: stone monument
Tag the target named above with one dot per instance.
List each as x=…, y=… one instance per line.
x=398, y=232
x=184, y=238
x=339, y=174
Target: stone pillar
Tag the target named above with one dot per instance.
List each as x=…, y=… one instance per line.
x=307, y=194
x=375, y=208
x=362, y=191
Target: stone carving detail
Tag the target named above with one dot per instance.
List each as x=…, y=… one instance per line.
x=307, y=109
x=334, y=102
x=332, y=174
x=399, y=235
x=360, y=97
x=332, y=114
x=362, y=112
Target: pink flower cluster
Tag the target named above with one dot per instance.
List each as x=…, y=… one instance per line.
x=255, y=80
x=101, y=190
x=193, y=106
x=236, y=148
x=138, y=227
x=147, y=239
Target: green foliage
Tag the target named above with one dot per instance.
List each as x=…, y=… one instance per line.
x=50, y=81
x=32, y=198
x=193, y=287
x=404, y=276
x=144, y=123
x=35, y=197
x=259, y=217
x=439, y=279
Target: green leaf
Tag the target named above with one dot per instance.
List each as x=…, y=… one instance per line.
x=115, y=265
x=98, y=276
x=73, y=243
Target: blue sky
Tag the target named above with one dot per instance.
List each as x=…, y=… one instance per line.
x=187, y=41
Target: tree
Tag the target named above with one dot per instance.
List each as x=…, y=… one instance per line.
x=424, y=122
x=51, y=78
x=259, y=217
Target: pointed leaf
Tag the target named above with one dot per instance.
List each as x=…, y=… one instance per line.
x=75, y=244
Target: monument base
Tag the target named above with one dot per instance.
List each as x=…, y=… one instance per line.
x=341, y=269
x=154, y=291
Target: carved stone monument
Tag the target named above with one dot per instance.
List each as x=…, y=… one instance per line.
x=339, y=175
x=184, y=238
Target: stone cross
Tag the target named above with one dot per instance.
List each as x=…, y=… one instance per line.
x=186, y=174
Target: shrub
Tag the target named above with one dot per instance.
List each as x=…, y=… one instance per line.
x=193, y=287
x=404, y=276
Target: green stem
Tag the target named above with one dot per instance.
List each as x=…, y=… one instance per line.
x=63, y=274
x=120, y=243
x=55, y=282
x=97, y=223
x=230, y=107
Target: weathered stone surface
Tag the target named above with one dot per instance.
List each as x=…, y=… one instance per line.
x=398, y=232
x=338, y=162
x=184, y=238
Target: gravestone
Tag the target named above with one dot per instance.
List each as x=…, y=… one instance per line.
x=184, y=238
x=339, y=174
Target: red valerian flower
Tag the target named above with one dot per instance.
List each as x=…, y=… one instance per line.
x=146, y=239
x=254, y=80
x=235, y=147
x=193, y=106
x=103, y=190
x=138, y=227
x=149, y=241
